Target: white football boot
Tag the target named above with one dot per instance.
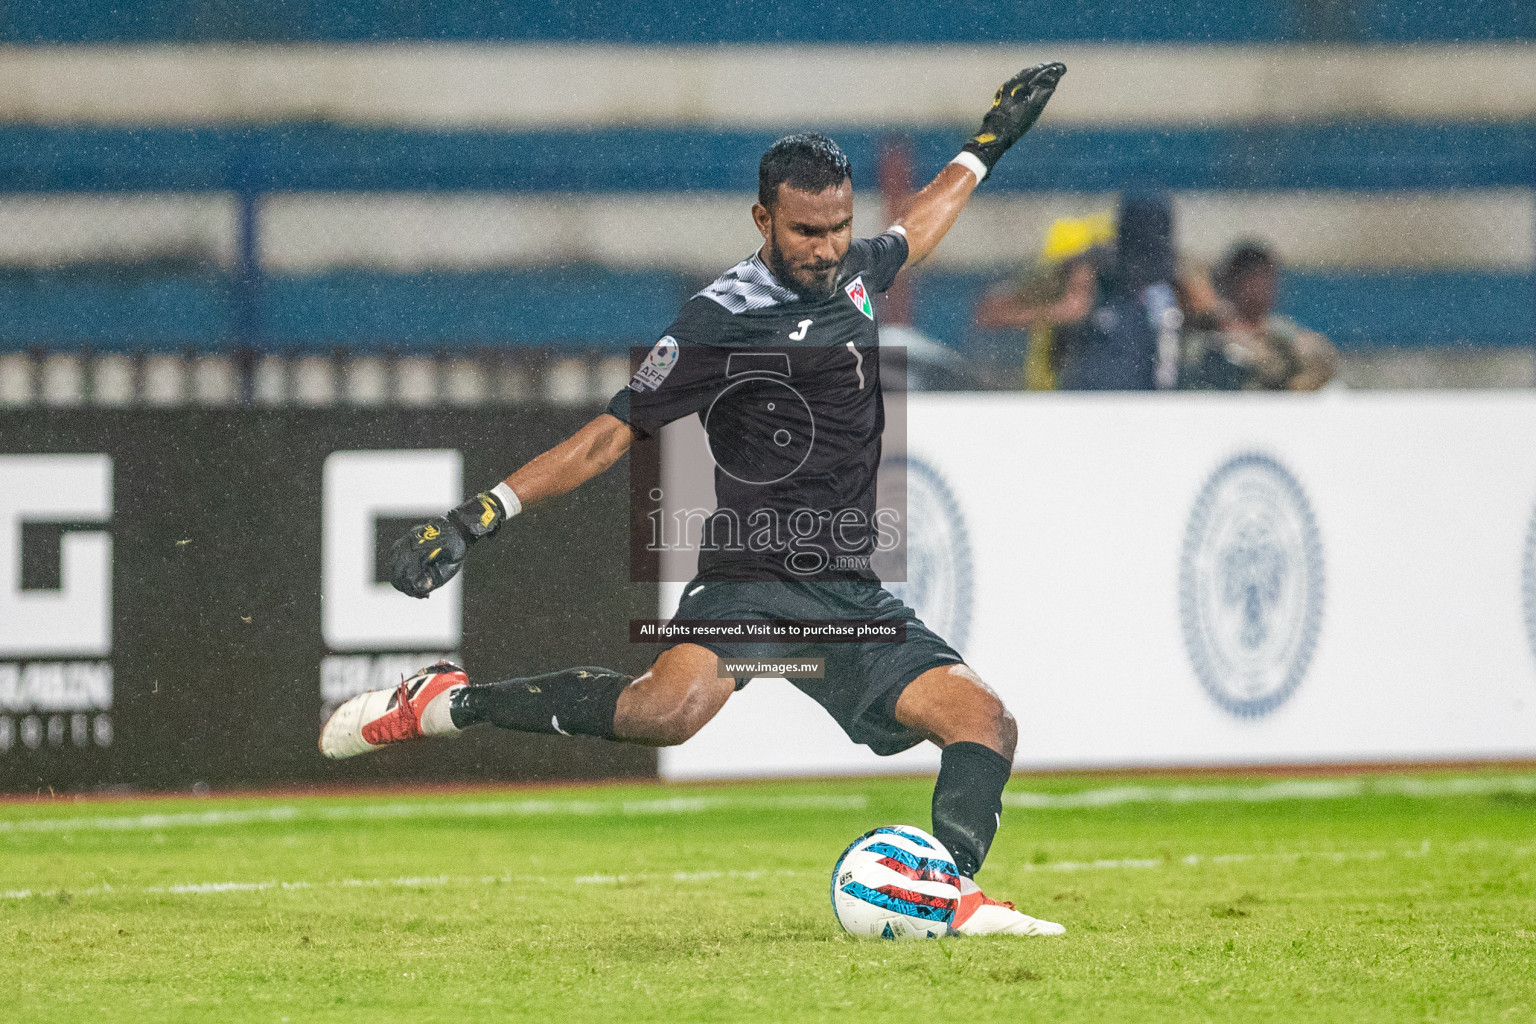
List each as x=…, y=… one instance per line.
x=977, y=914
x=418, y=707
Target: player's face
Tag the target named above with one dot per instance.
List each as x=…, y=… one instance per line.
x=807, y=236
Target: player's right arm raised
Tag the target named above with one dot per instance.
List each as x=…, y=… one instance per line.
x=431, y=554
x=1015, y=108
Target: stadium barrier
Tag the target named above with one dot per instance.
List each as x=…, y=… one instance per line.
x=487, y=377
x=1204, y=580
x=1147, y=580
x=183, y=594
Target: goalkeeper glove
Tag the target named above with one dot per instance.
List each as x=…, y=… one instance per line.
x=1017, y=104
x=432, y=553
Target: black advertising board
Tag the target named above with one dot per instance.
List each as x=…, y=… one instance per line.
x=183, y=593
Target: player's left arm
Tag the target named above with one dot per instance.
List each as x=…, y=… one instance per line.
x=571, y=463
x=431, y=554
x=680, y=381
x=1015, y=108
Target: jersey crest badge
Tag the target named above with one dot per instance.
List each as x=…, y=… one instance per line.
x=658, y=363
x=859, y=296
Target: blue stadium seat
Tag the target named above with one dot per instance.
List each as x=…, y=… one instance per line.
x=765, y=21
x=1347, y=155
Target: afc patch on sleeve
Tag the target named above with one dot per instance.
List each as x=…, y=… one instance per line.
x=659, y=363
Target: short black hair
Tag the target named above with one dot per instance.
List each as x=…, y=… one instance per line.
x=811, y=163
x=1244, y=257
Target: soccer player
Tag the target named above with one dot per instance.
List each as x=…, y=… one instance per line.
x=780, y=358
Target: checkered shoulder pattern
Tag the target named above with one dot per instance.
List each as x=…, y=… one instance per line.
x=746, y=286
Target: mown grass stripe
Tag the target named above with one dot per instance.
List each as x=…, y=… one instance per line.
x=1115, y=796
x=1192, y=860
x=220, y=888
x=295, y=813
x=1318, y=789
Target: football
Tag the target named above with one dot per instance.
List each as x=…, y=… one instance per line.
x=895, y=882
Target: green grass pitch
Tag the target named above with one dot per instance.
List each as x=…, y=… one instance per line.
x=1352, y=899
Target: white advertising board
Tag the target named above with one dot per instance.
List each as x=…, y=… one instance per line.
x=1208, y=579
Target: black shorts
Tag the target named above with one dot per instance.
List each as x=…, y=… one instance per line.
x=863, y=680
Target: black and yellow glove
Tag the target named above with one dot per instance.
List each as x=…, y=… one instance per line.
x=1015, y=108
x=432, y=553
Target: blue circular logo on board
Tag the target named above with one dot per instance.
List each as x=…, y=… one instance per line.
x=938, y=550
x=1251, y=585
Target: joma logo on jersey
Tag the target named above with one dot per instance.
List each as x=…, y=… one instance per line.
x=859, y=296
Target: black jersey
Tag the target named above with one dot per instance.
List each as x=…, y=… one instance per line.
x=788, y=390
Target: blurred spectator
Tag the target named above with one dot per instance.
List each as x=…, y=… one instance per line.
x=1131, y=340
x=1238, y=340
x=1054, y=297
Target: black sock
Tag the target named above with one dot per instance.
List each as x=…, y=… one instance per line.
x=968, y=802
x=574, y=702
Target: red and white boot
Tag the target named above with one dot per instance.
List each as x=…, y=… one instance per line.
x=978, y=914
x=418, y=707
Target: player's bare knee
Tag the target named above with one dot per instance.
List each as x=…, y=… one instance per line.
x=672, y=701
x=1006, y=730
x=952, y=704
x=989, y=723
x=673, y=709
x=677, y=725
x=987, y=720
x=684, y=719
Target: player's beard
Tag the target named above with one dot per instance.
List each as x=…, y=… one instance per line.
x=812, y=282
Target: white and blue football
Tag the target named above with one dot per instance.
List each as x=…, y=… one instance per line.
x=895, y=882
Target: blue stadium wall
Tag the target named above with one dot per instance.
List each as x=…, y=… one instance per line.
x=762, y=21
x=184, y=301
x=168, y=307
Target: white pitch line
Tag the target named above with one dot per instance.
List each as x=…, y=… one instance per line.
x=1097, y=865
x=1320, y=789
x=292, y=813
x=217, y=888
x=1197, y=859
x=685, y=877
x=209, y=887
x=154, y=821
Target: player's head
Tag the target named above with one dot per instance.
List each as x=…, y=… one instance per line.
x=1249, y=278
x=804, y=210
